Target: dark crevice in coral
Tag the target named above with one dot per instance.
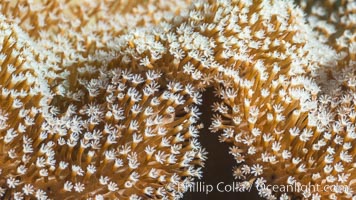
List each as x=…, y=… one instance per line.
x=218, y=167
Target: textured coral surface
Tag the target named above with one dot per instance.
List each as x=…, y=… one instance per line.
x=145, y=99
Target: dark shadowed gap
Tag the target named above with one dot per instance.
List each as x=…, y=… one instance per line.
x=218, y=167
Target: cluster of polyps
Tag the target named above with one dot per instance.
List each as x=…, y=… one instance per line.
x=285, y=130
x=75, y=123
x=140, y=141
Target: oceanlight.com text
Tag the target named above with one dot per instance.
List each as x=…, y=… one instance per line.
x=203, y=187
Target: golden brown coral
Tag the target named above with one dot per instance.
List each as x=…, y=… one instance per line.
x=260, y=55
x=138, y=141
x=265, y=110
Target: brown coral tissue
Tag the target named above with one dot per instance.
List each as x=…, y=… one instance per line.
x=177, y=99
